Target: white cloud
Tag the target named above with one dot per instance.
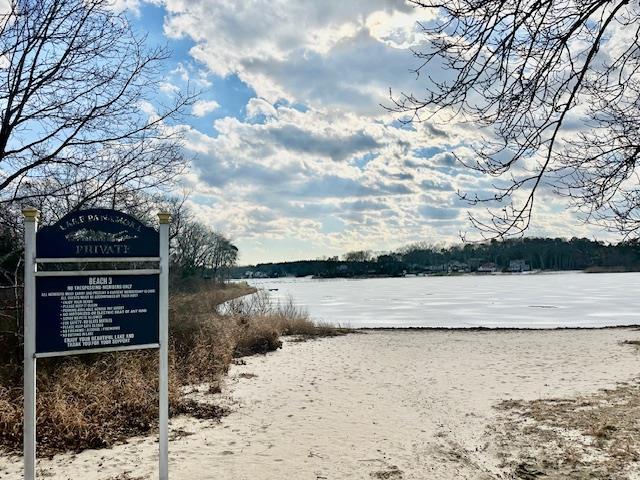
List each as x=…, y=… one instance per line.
x=182, y=72
x=322, y=52
x=202, y=108
x=258, y=107
x=397, y=29
x=132, y=6
x=5, y=7
x=169, y=88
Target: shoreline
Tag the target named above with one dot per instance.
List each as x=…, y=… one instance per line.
x=494, y=329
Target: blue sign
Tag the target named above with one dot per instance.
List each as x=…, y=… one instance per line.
x=97, y=232
x=96, y=312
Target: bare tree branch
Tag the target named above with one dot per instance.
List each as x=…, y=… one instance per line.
x=557, y=83
x=73, y=82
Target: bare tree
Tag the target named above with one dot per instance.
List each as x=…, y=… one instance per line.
x=358, y=256
x=198, y=250
x=224, y=255
x=77, y=126
x=556, y=86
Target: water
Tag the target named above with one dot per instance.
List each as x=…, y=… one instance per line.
x=571, y=299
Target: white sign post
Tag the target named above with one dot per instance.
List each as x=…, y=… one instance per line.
x=164, y=218
x=31, y=216
x=143, y=318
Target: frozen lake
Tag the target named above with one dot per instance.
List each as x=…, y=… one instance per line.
x=571, y=299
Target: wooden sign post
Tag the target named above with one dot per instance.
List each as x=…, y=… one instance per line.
x=94, y=310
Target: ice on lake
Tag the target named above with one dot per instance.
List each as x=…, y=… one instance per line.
x=571, y=299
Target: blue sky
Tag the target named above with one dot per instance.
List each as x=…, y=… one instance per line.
x=293, y=155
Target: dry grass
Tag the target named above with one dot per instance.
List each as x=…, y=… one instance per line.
x=595, y=436
x=284, y=318
x=87, y=402
x=94, y=401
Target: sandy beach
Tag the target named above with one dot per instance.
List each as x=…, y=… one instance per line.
x=380, y=404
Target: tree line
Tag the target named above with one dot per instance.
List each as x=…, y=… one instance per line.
x=536, y=253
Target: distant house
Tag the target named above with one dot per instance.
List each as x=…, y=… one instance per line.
x=489, y=267
x=254, y=274
x=456, y=266
x=436, y=268
x=518, y=266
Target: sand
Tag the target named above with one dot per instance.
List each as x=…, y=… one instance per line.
x=382, y=404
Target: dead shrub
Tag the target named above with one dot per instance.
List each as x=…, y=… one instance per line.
x=255, y=335
x=285, y=318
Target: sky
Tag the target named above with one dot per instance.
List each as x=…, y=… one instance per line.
x=293, y=153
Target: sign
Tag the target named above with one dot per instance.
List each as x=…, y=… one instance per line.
x=97, y=232
x=90, y=312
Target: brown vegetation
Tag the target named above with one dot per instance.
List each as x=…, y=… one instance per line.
x=595, y=436
x=93, y=401
x=286, y=319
